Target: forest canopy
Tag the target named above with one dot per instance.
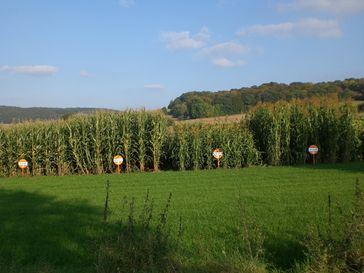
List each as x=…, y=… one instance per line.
x=195, y=104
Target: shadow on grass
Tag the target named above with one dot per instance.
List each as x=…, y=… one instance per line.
x=352, y=167
x=279, y=251
x=283, y=253
x=208, y=268
x=41, y=234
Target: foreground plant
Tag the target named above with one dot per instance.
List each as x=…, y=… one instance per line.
x=343, y=253
x=138, y=242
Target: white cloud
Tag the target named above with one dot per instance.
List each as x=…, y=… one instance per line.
x=180, y=40
x=223, y=49
x=225, y=62
x=126, y=3
x=85, y=73
x=270, y=29
x=154, y=86
x=331, y=6
x=309, y=27
x=31, y=69
x=319, y=28
x=225, y=54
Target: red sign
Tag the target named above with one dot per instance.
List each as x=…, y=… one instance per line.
x=313, y=149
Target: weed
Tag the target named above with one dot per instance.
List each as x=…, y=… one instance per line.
x=136, y=244
x=344, y=253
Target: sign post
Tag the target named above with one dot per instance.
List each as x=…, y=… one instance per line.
x=23, y=164
x=118, y=160
x=217, y=154
x=313, y=150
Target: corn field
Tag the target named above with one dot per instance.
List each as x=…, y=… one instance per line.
x=274, y=134
x=191, y=145
x=85, y=144
x=283, y=131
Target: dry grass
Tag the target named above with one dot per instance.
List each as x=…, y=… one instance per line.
x=214, y=120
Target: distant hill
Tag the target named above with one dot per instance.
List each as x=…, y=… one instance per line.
x=192, y=105
x=11, y=114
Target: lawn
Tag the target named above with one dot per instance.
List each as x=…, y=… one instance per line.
x=52, y=224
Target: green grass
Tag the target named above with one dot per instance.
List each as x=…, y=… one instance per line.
x=51, y=224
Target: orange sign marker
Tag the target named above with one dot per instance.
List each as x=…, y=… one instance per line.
x=217, y=154
x=118, y=160
x=23, y=164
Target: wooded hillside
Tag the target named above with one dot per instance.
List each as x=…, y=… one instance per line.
x=209, y=104
x=10, y=114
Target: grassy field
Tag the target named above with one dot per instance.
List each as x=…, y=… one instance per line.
x=52, y=224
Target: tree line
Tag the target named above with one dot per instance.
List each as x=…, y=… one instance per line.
x=195, y=104
x=12, y=114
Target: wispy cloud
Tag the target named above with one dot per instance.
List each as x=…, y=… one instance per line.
x=85, y=73
x=184, y=40
x=126, y=3
x=227, y=54
x=154, y=86
x=269, y=29
x=331, y=6
x=223, y=49
x=225, y=62
x=308, y=27
x=31, y=69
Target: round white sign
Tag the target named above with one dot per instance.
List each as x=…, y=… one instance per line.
x=118, y=160
x=217, y=153
x=23, y=164
x=313, y=149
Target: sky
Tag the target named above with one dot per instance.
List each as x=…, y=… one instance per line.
x=123, y=54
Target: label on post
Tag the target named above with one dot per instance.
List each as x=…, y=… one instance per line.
x=313, y=149
x=118, y=160
x=217, y=153
x=23, y=164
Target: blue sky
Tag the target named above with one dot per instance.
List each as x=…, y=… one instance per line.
x=144, y=53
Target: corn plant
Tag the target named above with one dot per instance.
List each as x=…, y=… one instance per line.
x=126, y=138
x=157, y=127
x=195, y=141
x=346, y=133
x=140, y=139
x=249, y=153
x=207, y=135
x=266, y=132
x=299, y=133
x=97, y=141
